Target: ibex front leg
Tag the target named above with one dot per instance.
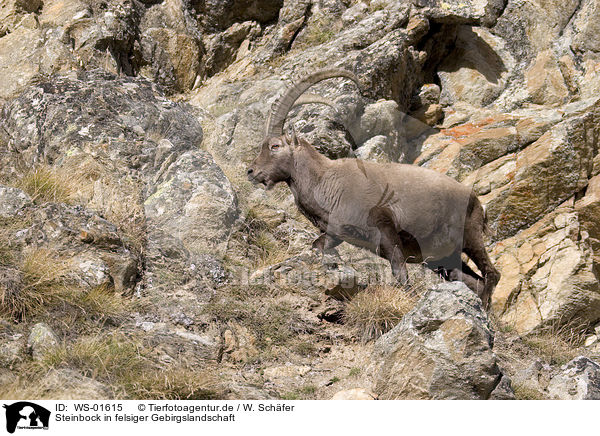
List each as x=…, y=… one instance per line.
x=390, y=248
x=390, y=243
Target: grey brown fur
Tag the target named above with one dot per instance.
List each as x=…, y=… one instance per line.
x=404, y=213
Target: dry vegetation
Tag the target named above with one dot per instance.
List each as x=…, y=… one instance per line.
x=47, y=184
x=320, y=31
x=40, y=282
x=117, y=199
x=558, y=344
x=378, y=309
x=121, y=363
x=526, y=393
x=34, y=284
x=270, y=321
x=90, y=182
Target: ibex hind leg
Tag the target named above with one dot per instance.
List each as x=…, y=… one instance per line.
x=452, y=268
x=469, y=277
x=474, y=247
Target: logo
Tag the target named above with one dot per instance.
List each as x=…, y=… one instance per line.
x=26, y=415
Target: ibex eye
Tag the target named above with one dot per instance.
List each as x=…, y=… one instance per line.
x=274, y=146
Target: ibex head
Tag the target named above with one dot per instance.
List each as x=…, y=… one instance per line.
x=275, y=161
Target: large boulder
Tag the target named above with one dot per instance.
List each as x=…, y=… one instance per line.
x=100, y=115
x=482, y=12
x=548, y=276
x=476, y=71
x=194, y=201
x=442, y=349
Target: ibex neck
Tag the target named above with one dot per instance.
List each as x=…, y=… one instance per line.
x=309, y=166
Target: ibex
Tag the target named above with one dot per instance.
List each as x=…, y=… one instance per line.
x=403, y=213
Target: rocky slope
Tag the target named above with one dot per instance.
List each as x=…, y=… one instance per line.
x=130, y=241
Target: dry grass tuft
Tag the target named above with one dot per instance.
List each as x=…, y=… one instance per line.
x=38, y=283
x=377, y=309
x=125, y=366
x=526, y=393
x=115, y=196
x=46, y=184
x=257, y=243
x=102, y=303
x=175, y=384
x=43, y=279
x=321, y=31
x=559, y=343
x=272, y=322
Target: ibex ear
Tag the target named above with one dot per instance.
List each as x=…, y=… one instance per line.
x=294, y=142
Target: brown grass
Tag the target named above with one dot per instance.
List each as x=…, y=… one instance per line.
x=271, y=321
x=47, y=184
x=558, y=344
x=101, y=303
x=116, y=197
x=43, y=279
x=320, y=31
x=526, y=393
x=122, y=364
x=378, y=309
x=38, y=283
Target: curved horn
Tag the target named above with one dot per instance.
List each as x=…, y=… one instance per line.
x=284, y=104
x=313, y=99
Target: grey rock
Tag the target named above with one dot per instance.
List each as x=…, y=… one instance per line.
x=578, y=380
x=222, y=48
x=170, y=45
x=503, y=390
x=428, y=94
x=194, y=201
x=104, y=112
x=12, y=201
x=354, y=394
x=11, y=353
x=219, y=15
x=535, y=377
x=481, y=12
x=375, y=148
x=71, y=385
x=383, y=118
x=41, y=340
x=442, y=349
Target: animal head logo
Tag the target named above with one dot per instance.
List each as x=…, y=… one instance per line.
x=24, y=414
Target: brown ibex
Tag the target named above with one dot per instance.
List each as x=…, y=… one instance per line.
x=404, y=213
